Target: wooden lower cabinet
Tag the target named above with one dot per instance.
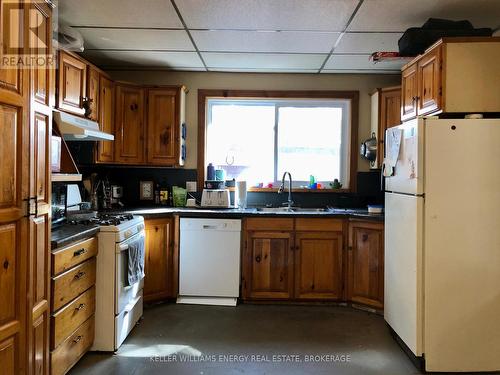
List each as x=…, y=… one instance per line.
x=268, y=272
x=365, y=275
x=318, y=265
x=158, y=265
x=307, y=259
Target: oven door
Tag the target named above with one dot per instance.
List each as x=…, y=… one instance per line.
x=125, y=293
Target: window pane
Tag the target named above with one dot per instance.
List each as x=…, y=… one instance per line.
x=240, y=139
x=309, y=142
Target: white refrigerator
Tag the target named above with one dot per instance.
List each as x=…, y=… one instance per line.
x=442, y=241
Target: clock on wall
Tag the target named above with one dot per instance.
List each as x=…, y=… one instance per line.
x=146, y=190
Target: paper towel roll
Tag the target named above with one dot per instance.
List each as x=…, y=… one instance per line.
x=241, y=194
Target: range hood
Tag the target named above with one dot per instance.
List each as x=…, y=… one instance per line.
x=74, y=128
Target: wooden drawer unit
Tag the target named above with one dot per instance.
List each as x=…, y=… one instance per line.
x=280, y=224
x=69, y=318
x=73, y=348
x=318, y=225
x=72, y=283
x=70, y=256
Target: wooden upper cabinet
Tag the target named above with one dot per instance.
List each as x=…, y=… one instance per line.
x=409, y=92
x=455, y=75
x=268, y=271
x=93, y=92
x=365, y=270
x=429, y=82
x=158, y=261
x=129, y=125
x=386, y=113
x=105, y=149
x=72, y=76
x=163, y=131
x=318, y=265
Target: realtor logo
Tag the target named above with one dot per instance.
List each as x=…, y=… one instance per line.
x=24, y=41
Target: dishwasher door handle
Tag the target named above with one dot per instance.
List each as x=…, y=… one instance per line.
x=206, y=226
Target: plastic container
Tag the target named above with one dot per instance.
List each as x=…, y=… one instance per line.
x=179, y=196
x=210, y=172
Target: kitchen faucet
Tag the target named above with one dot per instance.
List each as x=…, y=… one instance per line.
x=289, y=203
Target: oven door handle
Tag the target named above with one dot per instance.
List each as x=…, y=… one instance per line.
x=124, y=245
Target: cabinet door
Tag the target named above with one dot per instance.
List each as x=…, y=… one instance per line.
x=105, y=149
x=93, y=93
x=14, y=181
x=268, y=268
x=129, y=136
x=429, y=82
x=318, y=265
x=163, y=117
x=389, y=116
x=158, y=264
x=365, y=279
x=409, y=92
x=72, y=78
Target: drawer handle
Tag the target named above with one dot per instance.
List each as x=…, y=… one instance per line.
x=79, y=275
x=77, y=339
x=82, y=306
x=79, y=252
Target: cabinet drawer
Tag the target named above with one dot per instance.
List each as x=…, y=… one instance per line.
x=72, y=283
x=72, y=349
x=66, y=320
x=320, y=225
x=269, y=224
x=69, y=256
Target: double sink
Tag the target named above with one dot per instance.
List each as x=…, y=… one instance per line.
x=310, y=210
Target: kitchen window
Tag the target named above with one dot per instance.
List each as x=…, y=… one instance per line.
x=258, y=139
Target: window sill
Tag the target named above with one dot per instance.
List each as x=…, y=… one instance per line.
x=294, y=190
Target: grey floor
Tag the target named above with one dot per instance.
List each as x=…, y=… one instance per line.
x=187, y=339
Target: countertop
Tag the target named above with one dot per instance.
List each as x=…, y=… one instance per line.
x=251, y=212
x=68, y=233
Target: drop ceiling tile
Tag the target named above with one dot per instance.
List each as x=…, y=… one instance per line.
x=171, y=60
x=399, y=15
x=257, y=70
x=360, y=62
x=119, y=13
x=368, y=42
x=262, y=61
x=319, y=15
x=265, y=41
x=133, y=39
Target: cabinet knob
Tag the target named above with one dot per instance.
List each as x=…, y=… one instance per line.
x=79, y=275
x=364, y=237
x=79, y=252
x=80, y=307
x=258, y=258
x=78, y=339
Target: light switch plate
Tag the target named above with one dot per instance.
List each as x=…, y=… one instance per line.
x=191, y=186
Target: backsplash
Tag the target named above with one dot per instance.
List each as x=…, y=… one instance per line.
x=128, y=177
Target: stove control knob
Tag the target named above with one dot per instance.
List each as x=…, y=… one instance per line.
x=128, y=233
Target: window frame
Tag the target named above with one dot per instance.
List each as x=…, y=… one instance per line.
x=351, y=96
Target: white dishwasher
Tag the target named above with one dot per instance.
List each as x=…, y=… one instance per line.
x=209, y=261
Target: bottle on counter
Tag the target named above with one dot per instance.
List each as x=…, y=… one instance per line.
x=164, y=195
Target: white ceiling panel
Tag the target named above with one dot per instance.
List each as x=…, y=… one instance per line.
x=145, y=59
x=399, y=15
x=319, y=15
x=262, y=61
x=265, y=41
x=119, y=13
x=360, y=62
x=266, y=70
x=99, y=38
x=368, y=42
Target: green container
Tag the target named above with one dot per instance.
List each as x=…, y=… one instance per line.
x=179, y=195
